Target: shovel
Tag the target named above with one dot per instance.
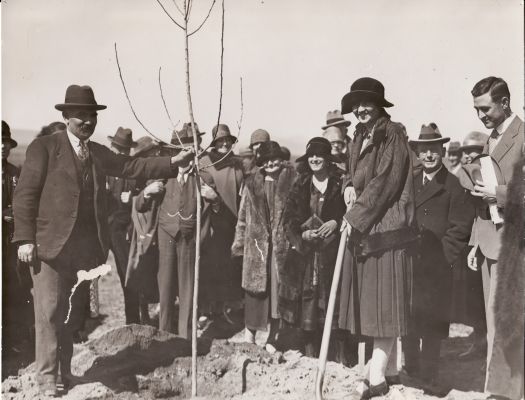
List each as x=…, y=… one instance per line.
x=323, y=353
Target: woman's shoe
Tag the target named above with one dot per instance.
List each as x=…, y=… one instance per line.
x=393, y=380
x=375, y=390
x=249, y=336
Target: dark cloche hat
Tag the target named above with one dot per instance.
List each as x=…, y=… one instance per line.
x=6, y=135
x=79, y=97
x=123, y=138
x=221, y=131
x=364, y=89
x=318, y=146
x=267, y=151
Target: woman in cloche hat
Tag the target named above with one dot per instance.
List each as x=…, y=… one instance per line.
x=311, y=220
x=376, y=278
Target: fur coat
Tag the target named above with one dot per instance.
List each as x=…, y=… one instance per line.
x=256, y=237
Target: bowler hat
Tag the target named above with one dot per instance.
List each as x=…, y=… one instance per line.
x=6, y=135
x=259, y=136
x=221, y=131
x=474, y=140
x=79, y=97
x=454, y=147
x=318, y=146
x=429, y=135
x=184, y=137
x=267, y=151
x=364, y=89
x=145, y=144
x=335, y=118
x=123, y=138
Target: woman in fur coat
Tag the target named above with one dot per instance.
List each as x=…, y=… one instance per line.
x=260, y=239
x=312, y=216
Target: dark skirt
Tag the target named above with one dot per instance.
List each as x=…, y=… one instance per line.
x=376, y=294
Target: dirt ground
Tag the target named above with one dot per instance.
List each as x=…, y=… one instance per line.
x=228, y=369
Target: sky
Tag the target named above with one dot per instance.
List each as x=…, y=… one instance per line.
x=296, y=58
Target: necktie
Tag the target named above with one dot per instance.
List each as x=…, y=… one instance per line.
x=493, y=140
x=83, y=152
x=425, y=180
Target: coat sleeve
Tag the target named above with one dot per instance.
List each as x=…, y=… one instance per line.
x=383, y=188
x=240, y=228
x=292, y=220
x=134, y=168
x=27, y=193
x=143, y=204
x=460, y=218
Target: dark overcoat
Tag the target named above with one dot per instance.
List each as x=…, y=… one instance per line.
x=444, y=217
x=292, y=287
x=46, y=199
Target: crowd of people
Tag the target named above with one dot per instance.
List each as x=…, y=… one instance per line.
x=432, y=238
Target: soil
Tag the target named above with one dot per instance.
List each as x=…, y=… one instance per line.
x=227, y=368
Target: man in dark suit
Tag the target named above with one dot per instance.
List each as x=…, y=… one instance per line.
x=504, y=378
x=444, y=217
x=61, y=222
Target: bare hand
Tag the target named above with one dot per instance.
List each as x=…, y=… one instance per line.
x=26, y=252
x=183, y=156
x=487, y=192
x=154, y=188
x=472, y=260
x=8, y=218
x=349, y=196
x=310, y=235
x=327, y=228
x=124, y=197
x=208, y=193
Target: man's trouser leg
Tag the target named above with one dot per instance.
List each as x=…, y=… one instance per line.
x=120, y=249
x=167, y=280
x=186, y=274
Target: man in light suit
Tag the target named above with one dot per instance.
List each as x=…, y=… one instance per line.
x=61, y=222
x=492, y=103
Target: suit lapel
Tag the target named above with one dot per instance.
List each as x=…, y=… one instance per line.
x=65, y=156
x=507, y=140
x=431, y=188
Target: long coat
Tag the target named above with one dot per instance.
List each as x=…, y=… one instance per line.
x=292, y=286
x=47, y=196
x=444, y=217
x=376, y=290
x=256, y=237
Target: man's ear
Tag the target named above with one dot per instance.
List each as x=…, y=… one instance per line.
x=443, y=151
x=505, y=102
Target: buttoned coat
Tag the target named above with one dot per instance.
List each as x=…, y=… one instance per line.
x=507, y=152
x=444, y=217
x=46, y=199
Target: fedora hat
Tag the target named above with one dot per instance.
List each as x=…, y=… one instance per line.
x=474, y=140
x=221, y=131
x=79, y=97
x=123, y=138
x=259, y=136
x=6, y=135
x=318, y=146
x=454, y=147
x=429, y=135
x=184, y=137
x=267, y=151
x=145, y=144
x=335, y=118
x=364, y=89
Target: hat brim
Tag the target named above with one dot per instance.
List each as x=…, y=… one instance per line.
x=344, y=123
x=304, y=157
x=13, y=142
x=355, y=96
x=69, y=106
x=129, y=146
x=230, y=136
x=439, y=140
x=259, y=161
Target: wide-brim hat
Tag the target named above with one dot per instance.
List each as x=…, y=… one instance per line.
x=454, y=147
x=145, y=144
x=368, y=89
x=318, y=146
x=429, y=135
x=6, y=135
x=221, y=131
x=267, y=151
x=335, y=118
x=184, y=137
x=79, y=97
x=474, y=140
x=123, y=138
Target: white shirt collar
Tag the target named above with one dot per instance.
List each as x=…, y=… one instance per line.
x=505, y=124
x=75, y=142
x=432, y=174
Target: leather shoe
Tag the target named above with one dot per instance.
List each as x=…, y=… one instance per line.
x=375, y=390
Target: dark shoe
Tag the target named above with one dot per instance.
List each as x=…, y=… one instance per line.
x=393, y=380
x=375, y=391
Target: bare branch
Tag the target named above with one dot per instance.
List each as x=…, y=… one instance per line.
x=188, y=10
x=178, y=8
x=239, y=123
x=168, y=14
x=222, y=64
x=205, y=19
x=164, y=101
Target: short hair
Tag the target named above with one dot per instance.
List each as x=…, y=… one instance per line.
x=52, y=128
x=497, y=88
